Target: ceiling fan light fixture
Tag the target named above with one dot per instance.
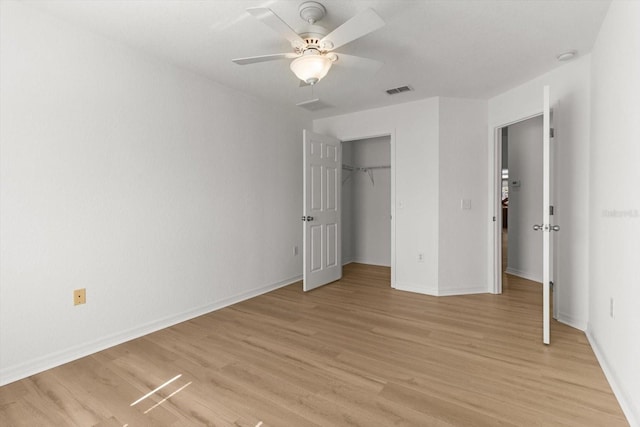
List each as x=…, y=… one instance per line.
x=311, y=67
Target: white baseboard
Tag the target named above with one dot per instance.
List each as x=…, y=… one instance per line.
x=524, y=274
x=420, y=289
x=463, y=291
x=630, y=411
x=567, y=319
x=364, y=261
x=435, y=292
x=17, y=372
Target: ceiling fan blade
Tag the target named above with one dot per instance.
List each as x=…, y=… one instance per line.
x=268, y=17
x=360, y=25
x=264, y=58
x=358, y=62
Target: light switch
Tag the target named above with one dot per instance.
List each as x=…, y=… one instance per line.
x=465, y=204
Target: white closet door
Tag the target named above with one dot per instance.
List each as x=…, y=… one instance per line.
x=321, y=214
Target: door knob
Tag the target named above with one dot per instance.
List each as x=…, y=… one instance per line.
x=537, y=227
x=555, y=227
x=309, y=218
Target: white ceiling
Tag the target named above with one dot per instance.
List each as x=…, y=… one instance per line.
x=463, y=48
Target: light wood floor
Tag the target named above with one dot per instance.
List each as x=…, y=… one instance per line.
x=354, y=353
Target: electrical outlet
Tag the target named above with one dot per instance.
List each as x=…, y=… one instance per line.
x=420, y=257
x=79, y=296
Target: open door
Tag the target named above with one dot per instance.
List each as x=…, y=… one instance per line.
x=547, y=211
x=321, y=213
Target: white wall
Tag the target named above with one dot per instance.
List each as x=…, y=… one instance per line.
x=371, y=219
x=462, y=240
x=346, y=214
x=524, y=257
x=614, y=208
x=164, y=194
x=570, y=99
x=414, y=143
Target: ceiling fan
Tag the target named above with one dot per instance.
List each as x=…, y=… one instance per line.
x=314, y=48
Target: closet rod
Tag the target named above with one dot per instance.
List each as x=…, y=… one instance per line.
x=354, y=168
x=374, y=167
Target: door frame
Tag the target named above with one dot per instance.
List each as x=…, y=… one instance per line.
x=495, y=203
x=392, y=151
x=495, y=206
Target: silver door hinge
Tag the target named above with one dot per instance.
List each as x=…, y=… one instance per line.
x=551, y=132
x=494, y=219
x=551, y=285
x=550, y=210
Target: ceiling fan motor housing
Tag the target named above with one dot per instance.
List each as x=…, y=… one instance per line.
x=309, y=43
x=312, y=35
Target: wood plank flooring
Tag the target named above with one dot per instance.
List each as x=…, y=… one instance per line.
x=353, y=353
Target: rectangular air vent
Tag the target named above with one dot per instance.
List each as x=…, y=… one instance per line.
x=398, y=90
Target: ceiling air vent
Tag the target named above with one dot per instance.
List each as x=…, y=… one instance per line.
x=398, y=90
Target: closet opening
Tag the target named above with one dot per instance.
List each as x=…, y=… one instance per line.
x=366, y=201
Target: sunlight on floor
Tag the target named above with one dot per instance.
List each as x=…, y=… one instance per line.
x=168, y=397
x=155, y=390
